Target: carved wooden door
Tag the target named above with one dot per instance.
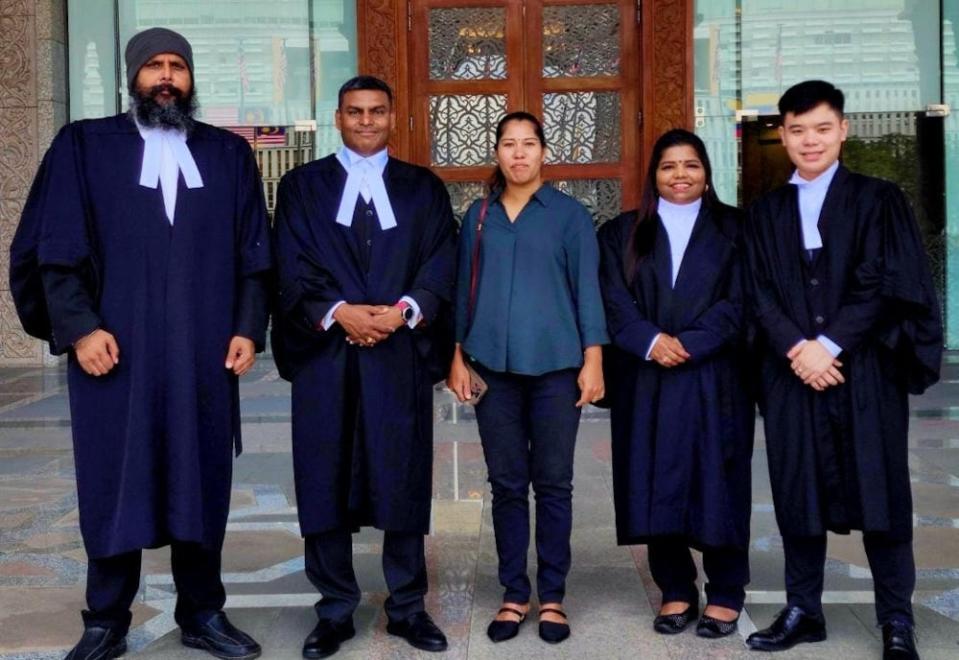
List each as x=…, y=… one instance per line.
x=573, y=63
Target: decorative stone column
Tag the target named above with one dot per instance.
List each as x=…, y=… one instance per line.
x=33, y=106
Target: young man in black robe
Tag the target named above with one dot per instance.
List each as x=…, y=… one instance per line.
x=366, y=257
x=169, y=213
x=848, y=324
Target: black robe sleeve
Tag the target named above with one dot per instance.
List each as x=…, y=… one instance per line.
x=70, y=305
x=433, y=283
x=307, y=290
x=781, y=332
x=721, y=324
x=628, y=328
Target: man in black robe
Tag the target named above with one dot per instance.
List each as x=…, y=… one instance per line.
x=153, y=247
x=366, y=258
x=848, y=325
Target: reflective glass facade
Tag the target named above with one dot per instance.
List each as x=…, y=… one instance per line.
x=895, y=60
x=258, y=64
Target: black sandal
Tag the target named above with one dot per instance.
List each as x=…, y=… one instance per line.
x=550, y=631
x=500, y=631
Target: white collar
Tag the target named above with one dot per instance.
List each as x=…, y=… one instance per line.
x=355, y=177
x=666, y=208
x=820, y=182
x=165, y=155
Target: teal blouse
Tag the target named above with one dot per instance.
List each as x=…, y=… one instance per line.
x=538, y=304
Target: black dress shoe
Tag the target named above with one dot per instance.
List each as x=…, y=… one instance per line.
x=898, y=642
x=420, y=631
x=792, y=626
x=500, y=631
x=550, y=631
x=220, y=638
x=326, y=638
x=711, y=628
x=98, y=643
x=671, y=624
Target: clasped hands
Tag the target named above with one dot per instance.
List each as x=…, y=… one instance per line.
x=367, y=325
x=668, y=351
x=814, y=365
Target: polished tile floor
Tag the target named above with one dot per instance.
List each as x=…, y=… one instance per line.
x=611, y=599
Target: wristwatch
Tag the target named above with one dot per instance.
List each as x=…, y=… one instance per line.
x=406, y=310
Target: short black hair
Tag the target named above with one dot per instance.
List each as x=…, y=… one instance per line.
x=363, y=82
x=804, y=96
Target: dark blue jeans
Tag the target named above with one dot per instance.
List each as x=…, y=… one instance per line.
x=528, y=426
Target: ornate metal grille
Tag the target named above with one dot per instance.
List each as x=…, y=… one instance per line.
x=462, y=194
x=463, y=128
x=580, y=41
x=582, y=127
x=467, y=43
x=603, y=197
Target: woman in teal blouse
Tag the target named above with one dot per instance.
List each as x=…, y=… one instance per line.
x=531, y=324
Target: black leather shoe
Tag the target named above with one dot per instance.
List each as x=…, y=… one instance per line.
x=220, y=638
x=98, y=643
x=550, y=631
x=420, y=631
x=671, y=624
x=792, y=626
x=500, y=631
x=898, y=642
x=326, y=638
x=711, y=628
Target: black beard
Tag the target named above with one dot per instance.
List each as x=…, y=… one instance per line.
x=177, y=114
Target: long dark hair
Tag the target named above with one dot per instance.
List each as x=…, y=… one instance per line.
x=497, y=182
x=643, y=235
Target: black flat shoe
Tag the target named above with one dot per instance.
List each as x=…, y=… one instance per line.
x=500, y=631
x=98, y=643
x=550, y=631
x=792, y=626
x=419, y=631
x=711, y=628
x=326, y=638
x=899, y=642
x=672, y=624
x=220, y=638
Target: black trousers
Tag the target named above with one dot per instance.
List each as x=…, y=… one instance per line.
x=727, y=573
x=890, y=560
x=113, y=582
x=527, y=425
x=329, y=566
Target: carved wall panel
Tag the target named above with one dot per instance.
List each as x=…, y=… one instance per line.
x=17, y=61
x=32, y=108
x=667, y=68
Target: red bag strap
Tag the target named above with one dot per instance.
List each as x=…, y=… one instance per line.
x=474, y=263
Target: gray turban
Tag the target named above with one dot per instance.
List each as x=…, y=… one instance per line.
x=153, y=41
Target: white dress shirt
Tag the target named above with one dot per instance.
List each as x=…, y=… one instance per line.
x=165, y=155
x=812, y=195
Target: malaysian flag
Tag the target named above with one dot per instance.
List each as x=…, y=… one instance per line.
x=248, y=133
x=270, y=136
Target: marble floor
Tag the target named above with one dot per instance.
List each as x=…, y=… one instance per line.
x=611, y=599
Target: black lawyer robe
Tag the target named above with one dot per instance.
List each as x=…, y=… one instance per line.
x=682, y=436
x=153, y=439
x=838, y=459
x=362, y=417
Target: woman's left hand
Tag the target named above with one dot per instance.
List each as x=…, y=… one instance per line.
x=590, y=379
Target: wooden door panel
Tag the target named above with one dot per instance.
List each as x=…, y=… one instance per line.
x=573, y=63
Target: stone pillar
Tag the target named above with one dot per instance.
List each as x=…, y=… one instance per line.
x=33, y=106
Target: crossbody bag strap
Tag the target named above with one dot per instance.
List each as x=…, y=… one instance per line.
x=474, y=263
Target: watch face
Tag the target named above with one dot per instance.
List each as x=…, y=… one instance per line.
x=407, y=313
